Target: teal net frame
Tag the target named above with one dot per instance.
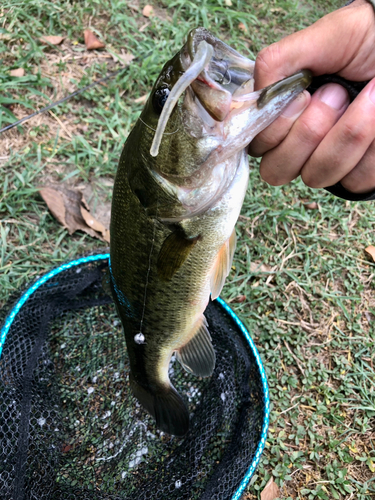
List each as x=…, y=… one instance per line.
x=105, y=258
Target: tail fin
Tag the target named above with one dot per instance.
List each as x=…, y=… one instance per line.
x=165, y=405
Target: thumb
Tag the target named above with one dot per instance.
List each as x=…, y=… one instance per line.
x=327, y=46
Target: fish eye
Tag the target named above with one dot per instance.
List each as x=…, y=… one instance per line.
x=159, y=98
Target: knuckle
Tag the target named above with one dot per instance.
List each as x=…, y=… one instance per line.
x=309, y=176
x=268, y=59
x=354, y=132
x=272, y=175
x=309, y=181
x=264, y=143
x=311, y=132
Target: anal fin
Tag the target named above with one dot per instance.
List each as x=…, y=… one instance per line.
x=222, y=265
x=198, y=355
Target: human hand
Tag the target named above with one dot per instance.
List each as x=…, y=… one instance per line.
x=322, y=137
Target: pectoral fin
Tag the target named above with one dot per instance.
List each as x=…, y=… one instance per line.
x=198, y=355
x=173, y=253
x=222, y=265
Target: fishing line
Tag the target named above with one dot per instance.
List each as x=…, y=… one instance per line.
x=154, y=129
x=139, y=338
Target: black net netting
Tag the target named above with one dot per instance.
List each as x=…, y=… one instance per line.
x=71, y=429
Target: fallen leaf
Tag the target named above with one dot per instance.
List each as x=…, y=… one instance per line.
x=51, y=39
x=69, y=207
x=371, y=465
x=258, y=267
x=94, y=224
x=242, y=27
x=371, y=251
x=124, y=57
x=271, y=491
x=17, y=72
x=311, y=206
x=91, y=41
x=141, y=99
x=239, y=299
x=228, y=3
x=55, y=203
x=144, y=27
x=148, y=10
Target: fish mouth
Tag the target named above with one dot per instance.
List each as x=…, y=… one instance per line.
x=227, y=82
x=218, y=87
x=221, y=80
x=226, y=74
x=213, y=71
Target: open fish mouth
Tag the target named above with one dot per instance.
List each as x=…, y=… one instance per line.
x=213, y=71
x=227, y=74
x=221, y=80
x=218, y=88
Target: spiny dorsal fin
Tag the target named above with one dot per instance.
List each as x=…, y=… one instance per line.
x=222, y=265
x=175, y=250
x=198, y=355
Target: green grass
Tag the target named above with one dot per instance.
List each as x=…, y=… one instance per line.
x=310, y=313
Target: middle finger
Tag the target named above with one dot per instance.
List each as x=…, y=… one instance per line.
x=284, y=163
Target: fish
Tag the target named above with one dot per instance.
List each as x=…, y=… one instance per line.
x=178, y=192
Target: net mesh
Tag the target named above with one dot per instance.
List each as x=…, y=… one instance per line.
x=70, y=427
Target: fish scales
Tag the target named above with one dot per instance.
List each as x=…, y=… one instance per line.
x=178, y=192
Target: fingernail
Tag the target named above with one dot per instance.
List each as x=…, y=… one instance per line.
x=333, y=95
x=296, y=107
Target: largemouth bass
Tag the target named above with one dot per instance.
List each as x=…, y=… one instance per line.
x=178, y=192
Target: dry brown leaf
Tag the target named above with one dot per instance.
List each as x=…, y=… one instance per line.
x=68, y=206
x=92, y=42
x=17, y=72
x=144, y=27
x=51, y=39
x=371, y=251
x=148, y=10
x=271, y=491
x=242, y=27
x=239, y=299
x=141, y=99
x=258, y=267
x=55, y=203
x=95, y=224
x=124, y=57
x=311, y=206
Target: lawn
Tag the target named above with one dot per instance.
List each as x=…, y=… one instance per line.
x=301, y=281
